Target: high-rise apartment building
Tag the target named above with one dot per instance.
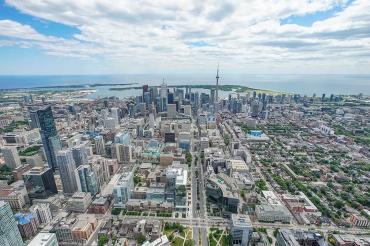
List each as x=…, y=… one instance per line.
x=11, y=156
x=80, y=155
x=67, y=169
x=9, y=233
x=88, y=181
x=171, y=110
x=123, y=152
x=99, y=145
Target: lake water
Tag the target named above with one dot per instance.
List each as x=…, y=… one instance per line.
x=302, y=84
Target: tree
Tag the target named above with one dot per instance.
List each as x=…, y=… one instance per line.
x=189, y=158
x=140, y=239
x=242, y=193
x=137, y=180
x=116, y=211
x=102, y=240
x=338, y=204
x=227, y=141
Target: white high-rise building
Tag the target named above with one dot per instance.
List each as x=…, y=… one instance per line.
x=99, y=145
x=11, y=156
x=163, y=90
x=151, y=121
x=44, y=239
x=104, y=113
x=67, y=167
x=9, y=233
x=187, y=110
x=110, y=123
x=115, y=114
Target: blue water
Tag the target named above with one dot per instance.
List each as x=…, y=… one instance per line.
x=303, y=84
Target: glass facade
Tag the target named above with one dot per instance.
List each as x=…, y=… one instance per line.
x=40, y=183
x=9, y=233
x=44, y=119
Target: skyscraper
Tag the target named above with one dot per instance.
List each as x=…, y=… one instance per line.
x=115, y=115
x=99, y=145
x=79, y=155
x=88, y=180
x=67, y=169
x=11, y=156
x=43, y=118
x=171, y=111
x=163, y=91
x=9, y=233
x=123, y=153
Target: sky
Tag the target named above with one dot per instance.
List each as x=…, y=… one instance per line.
x=184, y=36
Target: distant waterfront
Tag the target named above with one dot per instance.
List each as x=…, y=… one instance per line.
x=303, y=84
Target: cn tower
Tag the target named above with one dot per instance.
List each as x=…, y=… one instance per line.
x=217, y=77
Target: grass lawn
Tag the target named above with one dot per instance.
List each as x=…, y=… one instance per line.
x=190, y=233
x=212, y=241
x=224, y=241
x=168, y=232
x=178, y=241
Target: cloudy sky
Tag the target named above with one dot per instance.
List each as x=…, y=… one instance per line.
x=184, y=36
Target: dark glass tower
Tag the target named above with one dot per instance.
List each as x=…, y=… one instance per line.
x=40, y=182
x=44, y=119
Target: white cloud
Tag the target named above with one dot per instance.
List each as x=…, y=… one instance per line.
x=157, y=34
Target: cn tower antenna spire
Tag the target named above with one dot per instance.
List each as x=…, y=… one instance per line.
x=217, y=77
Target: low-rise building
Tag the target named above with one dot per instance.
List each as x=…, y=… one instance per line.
x=99, y=206
x=123, y=189
x=223, y=190
x=27, y=224
x=84, y=227
x=287, y=237
x=272, y=213
x=162, y=241
x=42, y=212
x=351, y=240
x=15, y=194
x=359, y=221
x=44, y=239
x=145, y=205
x=79, y=202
